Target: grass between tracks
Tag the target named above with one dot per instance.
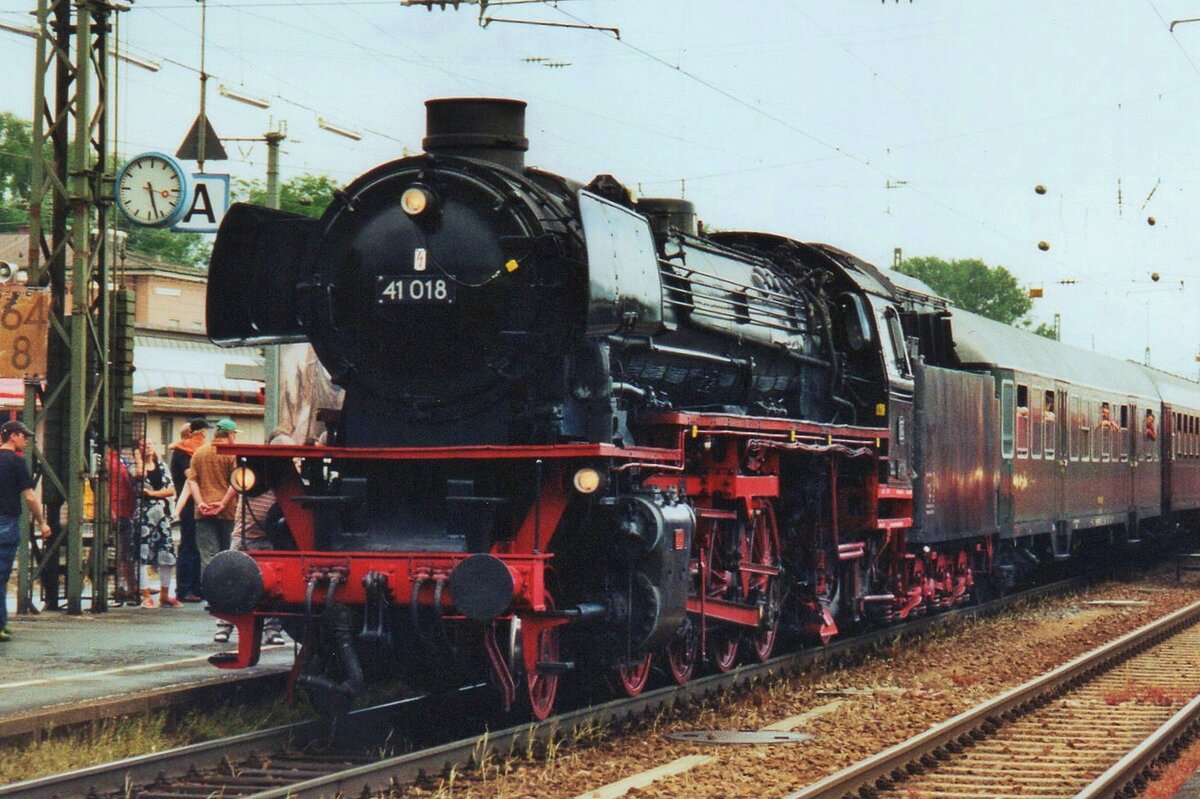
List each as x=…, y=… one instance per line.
x=58, y=751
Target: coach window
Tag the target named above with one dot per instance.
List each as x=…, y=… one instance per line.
x=1097, y=431
x=1048, y=423
x=1007, y=395
x=1083, y=440
x=1023, y=422
x=1037, y=416
x=1121, y=446
x=1112, y=430
x=1134, y=434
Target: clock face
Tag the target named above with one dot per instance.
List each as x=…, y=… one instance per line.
x=151, y=190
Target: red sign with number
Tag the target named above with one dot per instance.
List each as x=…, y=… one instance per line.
x=24, y=325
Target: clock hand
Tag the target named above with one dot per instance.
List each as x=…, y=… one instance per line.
x=153, y=201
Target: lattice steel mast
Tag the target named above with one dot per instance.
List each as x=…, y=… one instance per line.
x=68, y=212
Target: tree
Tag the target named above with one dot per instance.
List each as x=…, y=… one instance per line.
x=308, y=195
x=1045, y=330
x=189, y=249
x=16, y=137
x=16, y=150
x=973, y=286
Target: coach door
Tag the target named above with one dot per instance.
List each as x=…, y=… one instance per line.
x=1132, y=447
x=1058, y=445
x=1146, y=475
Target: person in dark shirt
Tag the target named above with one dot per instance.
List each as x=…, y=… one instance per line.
x=16, y=484
x=122, y=505
x=187, y=579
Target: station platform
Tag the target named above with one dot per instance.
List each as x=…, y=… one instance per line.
x=57, y=662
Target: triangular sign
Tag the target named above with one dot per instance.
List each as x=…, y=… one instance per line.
x=190, y=149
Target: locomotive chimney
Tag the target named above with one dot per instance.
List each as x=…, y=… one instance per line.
x=667, y=213
x=491, y=129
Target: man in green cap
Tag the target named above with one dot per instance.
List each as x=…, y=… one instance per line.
x=216, y=508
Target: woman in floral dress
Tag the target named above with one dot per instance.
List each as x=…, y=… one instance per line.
x=154, y=523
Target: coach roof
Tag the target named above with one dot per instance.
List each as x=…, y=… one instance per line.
x=984, y=342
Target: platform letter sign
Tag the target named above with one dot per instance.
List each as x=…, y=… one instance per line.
x=210, y=201
x=24, y=325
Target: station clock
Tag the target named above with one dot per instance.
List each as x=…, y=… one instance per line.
x=152, y=190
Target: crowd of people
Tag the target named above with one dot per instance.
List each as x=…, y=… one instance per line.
x=191, y=490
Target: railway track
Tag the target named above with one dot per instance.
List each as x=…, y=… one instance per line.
x=1091, y=728
x=305, y=760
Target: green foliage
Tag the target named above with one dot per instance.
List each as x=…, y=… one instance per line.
x=16, y=148
x=189, y=249
x=16, y=136
x=973, y=286
x=308, y=195
x=1045, y=330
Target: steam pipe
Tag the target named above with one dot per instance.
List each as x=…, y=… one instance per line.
x=355, y=683
x=645, y=343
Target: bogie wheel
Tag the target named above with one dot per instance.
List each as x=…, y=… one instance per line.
x=682, y=654
x=764, y=544
x=723, y=648
x=633, y=676
x=543, y=685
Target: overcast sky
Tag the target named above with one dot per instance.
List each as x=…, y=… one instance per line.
x=868, y=125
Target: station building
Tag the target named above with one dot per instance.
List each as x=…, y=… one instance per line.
x=178, y=373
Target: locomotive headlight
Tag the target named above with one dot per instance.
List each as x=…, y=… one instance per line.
x=243, y=479
x=416, y=200
x=587, y=480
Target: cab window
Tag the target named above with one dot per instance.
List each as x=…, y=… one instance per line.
x=896, y=334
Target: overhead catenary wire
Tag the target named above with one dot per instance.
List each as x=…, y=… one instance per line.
x=837, y=149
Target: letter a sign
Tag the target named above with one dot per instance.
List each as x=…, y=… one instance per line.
x=210, y=201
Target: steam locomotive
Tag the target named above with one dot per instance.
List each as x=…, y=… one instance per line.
x=581, y=435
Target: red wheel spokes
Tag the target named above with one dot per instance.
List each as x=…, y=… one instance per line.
x=763, y=546
x=543, y=686
x=723, y=649
x=681, y=657
x=634, y=676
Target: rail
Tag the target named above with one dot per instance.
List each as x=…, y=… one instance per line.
x=924, y=750
x=116, y=779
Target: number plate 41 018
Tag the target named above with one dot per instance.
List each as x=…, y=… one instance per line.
x=414, y=290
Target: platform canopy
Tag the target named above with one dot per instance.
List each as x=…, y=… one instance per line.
x=193, y=370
